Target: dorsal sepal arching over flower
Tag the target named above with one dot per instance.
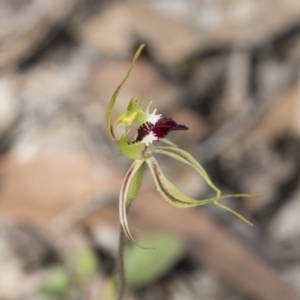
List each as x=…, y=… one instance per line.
x=135, y=131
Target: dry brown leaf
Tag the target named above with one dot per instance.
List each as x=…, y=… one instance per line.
x=38, y=190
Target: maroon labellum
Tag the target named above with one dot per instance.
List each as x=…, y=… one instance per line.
x=149, y=132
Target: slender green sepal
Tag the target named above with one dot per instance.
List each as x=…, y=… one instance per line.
x=116, y=93
x=188, y=159
x=128, y=193
x=233, y=211
x=174, y=197
x=169, y=192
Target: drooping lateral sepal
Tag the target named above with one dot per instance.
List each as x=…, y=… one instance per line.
x=136, y=183
x=129, y=190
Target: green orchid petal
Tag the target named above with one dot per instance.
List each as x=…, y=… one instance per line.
x=173, y=196
x=116, y=93
x=129, y=190
x=133, y=151
x=188, y=159
x=169, y=192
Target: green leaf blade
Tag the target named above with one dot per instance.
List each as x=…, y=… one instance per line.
x=57, y=283
x=86, y=263
x=145, y=267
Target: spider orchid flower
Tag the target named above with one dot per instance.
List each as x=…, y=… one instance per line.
x=140, y=147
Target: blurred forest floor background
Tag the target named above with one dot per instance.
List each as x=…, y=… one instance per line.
x=228, y=69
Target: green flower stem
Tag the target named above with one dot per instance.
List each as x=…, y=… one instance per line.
x=121, y=278
x=134, y=188
x=121, y=281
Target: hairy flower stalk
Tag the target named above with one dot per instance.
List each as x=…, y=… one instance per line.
x=140, y=147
